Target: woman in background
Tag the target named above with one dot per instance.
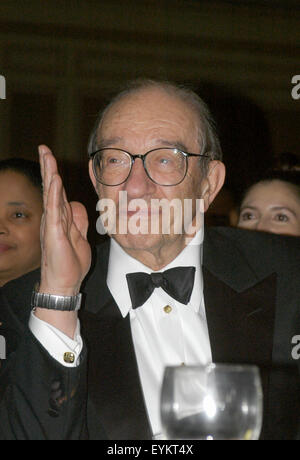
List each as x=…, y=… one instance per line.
x=273, y=204
x=21, y=210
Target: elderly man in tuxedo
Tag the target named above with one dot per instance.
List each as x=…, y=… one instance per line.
x=148, y=298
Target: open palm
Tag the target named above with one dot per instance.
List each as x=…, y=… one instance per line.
x=66, y=253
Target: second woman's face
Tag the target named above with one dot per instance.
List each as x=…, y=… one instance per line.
x=20, y=216
x=271, y=207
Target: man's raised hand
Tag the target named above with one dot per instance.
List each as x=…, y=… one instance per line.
x=66, y=253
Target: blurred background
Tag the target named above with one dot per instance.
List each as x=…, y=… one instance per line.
x=62, y=59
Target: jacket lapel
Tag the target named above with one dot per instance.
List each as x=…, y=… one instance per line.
x=240, y=324
x=240, y=308
x=240, y=305
x=115, y=394
x=114, y=386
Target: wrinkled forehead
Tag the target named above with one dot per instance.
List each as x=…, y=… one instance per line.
x=146, y=110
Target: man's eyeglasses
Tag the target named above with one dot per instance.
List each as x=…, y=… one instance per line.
x=164, y=166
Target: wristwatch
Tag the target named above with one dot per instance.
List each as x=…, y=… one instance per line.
x=55, y=302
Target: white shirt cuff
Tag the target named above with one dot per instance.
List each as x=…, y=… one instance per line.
x=61, y=347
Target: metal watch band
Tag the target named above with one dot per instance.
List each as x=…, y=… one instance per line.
x=56, y=302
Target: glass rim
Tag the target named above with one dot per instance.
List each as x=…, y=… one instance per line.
x=185, y=153
x=239, y=367
x=132, y=157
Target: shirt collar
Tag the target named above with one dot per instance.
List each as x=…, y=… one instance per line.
x=120, y=263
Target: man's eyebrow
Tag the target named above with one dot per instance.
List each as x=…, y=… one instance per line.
x=108, y=142
x=176, y=144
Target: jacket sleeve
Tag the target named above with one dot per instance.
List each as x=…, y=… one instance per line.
x=40, y=398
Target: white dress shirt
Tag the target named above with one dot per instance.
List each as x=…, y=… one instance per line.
x=56, y=342
x=161, y=336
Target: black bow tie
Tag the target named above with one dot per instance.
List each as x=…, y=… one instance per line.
x=177, y=282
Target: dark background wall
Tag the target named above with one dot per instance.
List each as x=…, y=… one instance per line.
x=62, y=58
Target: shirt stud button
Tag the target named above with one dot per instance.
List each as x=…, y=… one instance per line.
x=167, y=309
x=69, y=357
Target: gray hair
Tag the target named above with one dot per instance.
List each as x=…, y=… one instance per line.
x=208, y=138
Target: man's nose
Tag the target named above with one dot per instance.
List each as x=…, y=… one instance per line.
x=138, y=183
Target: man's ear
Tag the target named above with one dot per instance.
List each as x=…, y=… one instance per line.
x=213, y=182
x=92, y=175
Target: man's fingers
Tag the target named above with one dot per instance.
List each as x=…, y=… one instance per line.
x=41, y=153
x=43, y=149
x=80, y=218
x=54, y=195
x=48, y=169
x=54, y=201
x=61, y=215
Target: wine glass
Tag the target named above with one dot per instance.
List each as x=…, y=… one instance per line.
x=214, y=402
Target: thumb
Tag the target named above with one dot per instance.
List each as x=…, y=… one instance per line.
x=80, y=218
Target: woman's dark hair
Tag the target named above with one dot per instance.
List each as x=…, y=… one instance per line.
x=288, y=176
x=287, y=161
x=28, y=168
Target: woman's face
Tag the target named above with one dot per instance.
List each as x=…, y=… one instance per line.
x=272, y=206
x=20, y=217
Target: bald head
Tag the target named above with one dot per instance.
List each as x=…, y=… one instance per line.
x=208, y=140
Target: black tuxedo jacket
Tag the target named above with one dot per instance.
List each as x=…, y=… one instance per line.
x=252, y=300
